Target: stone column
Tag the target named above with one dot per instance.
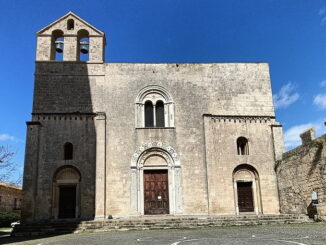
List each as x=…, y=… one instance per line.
x=154, y=115
x=235, y=187
x=100, y=171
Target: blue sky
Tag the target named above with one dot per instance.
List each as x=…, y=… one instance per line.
x=289, y=34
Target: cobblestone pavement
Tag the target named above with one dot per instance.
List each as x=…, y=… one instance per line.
x=306, y=234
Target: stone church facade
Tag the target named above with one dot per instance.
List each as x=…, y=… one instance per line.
x=133, y=139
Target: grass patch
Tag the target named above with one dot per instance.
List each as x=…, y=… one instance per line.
x=5, y=228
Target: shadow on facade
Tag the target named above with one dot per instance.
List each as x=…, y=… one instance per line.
x=60, y=185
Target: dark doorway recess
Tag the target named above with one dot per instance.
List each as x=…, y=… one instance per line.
x=156, y=192
x=67, y=202
x=245, y=197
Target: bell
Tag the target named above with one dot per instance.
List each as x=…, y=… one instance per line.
x=59, y=47
x=84, y=48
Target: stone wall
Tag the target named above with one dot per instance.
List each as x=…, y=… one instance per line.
x=10, y=198
x=222, y=159
x=196, y=89
x=45, y=155
x=45, y=43
x=300, y=172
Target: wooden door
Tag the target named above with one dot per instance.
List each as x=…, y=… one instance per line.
x=156, y=192
x=67, y=202
x=245, y=197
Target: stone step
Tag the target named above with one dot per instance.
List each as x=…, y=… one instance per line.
x=60, y=227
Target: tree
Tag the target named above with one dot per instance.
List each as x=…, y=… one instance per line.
x=7, y=166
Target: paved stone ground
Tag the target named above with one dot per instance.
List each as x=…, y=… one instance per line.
x=305, y=234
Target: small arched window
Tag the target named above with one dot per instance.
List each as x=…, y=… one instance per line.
x=159, y=114
x=242, y=146
x=57, y=46
x=70, y=24
x=149, y=114
x=68, y=151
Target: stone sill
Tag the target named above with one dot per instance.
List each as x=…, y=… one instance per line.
x=69, y=61
x=156, y=128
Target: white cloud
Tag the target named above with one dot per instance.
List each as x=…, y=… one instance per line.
x=322, y=11
x=323, y=83
x=292, y=135
x=286, y=96
x=320, y=101
x=323, y=21
x=5, y=137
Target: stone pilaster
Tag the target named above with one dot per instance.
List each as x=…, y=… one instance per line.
x=31, y=171
x=278, y=140
x=70, y=48
x=100, y=193
x=134, y=191
x=43, y=51
x=96, y=48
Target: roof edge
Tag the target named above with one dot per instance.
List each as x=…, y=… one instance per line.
x=70, y=13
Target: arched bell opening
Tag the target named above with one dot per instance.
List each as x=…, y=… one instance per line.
x=83, y=45
x=247, y=194
x=57, y=45
x=66, y=193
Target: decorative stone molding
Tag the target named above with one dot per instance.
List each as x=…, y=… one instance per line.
x=65, y=175
x=63, y=116
x=142, y=152
x=247, y=173
x=100, y=116
x=172, y=165
x=68, y=173
x=154, y=93
x=149, y=91
x=231, y=118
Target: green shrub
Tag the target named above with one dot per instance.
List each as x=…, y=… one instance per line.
x=6, y=218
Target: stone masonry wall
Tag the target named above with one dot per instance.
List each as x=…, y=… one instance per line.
x=222, y=159
x=10, y=197
x=196, y=89
x=302, y=171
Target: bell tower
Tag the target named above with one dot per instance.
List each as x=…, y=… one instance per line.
x=70, y=38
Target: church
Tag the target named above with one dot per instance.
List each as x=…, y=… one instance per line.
x=137, y=139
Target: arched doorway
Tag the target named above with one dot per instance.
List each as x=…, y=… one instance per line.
x=156, y=180
x=66, y=193
x=156, y=185
x=246, y=190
